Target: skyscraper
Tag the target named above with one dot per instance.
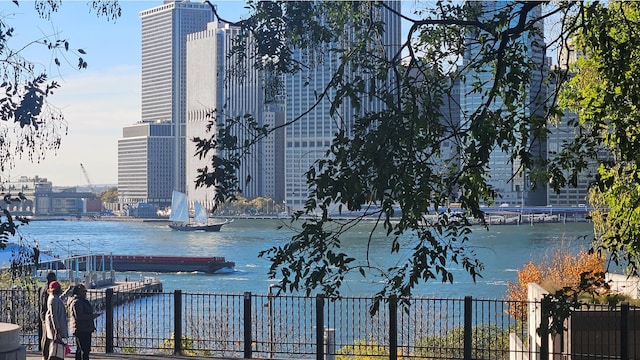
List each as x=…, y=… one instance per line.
x=507, y=178
x=308, y=138
x=145, y=156
x=164, y=37
x=224, y=87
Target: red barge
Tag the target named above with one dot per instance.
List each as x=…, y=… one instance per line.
x=155, y=263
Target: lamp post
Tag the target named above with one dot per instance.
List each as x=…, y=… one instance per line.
x=67, y=259
x=89, y=257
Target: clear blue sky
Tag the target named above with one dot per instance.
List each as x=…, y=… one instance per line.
x=98, y=101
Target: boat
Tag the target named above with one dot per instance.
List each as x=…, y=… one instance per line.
x=180, y=220
x=162, y=264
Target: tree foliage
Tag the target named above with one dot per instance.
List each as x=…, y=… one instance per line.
x=110, y=195
x=382, y=160
x=603, y=91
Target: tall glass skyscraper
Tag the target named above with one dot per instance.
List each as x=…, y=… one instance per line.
x=220, y=82
x=164, y=38
x=308, y=138
x=508, y=180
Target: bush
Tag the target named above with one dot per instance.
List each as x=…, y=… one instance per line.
x=559, y=271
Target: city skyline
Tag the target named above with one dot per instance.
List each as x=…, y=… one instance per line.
x=97, y=102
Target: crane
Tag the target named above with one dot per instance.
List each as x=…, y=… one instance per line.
x=86, y=176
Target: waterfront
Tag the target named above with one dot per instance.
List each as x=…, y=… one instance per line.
x=503, y=249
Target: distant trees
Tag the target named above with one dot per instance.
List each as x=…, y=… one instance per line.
x=110, y=195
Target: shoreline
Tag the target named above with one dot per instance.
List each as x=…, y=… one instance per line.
x=502, y=219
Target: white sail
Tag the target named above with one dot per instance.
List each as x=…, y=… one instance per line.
x=200, y=213
x=179, y=207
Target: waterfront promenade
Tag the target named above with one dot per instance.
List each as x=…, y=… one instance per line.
x=32, y=355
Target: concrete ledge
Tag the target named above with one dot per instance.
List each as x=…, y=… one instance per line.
x=10, y=347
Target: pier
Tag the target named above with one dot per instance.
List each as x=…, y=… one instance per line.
x=126, y=291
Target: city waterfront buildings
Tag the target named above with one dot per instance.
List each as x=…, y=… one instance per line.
x=189, y=80
x=42, y=200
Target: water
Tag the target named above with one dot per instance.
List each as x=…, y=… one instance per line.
x=502, y=249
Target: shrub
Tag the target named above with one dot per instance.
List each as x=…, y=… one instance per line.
x=556, y=272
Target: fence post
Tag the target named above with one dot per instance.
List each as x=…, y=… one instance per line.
x=320, y=327
x=393, y=328
x=108, y=320
x=40, y=324
x=467, y=337
x=270, y=322
x=330, y=343
x=177, y=322
x=247, y=325
x=624, y=330
x=544, y=331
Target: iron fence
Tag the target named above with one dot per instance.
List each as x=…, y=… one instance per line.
x=269, y=326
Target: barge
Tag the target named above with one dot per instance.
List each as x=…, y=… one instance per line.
x=154, y=263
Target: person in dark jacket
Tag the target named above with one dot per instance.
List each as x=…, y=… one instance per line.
x=81, y=322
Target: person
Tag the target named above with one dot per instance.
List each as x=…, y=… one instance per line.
x=44, y=296
x=56, y=316
x=81, y=322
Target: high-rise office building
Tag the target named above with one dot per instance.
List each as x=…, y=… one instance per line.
x=309, y=134
x=145, y=156
x=223, y=87
x=164, y=37
x=561, y=132
x=509, y=181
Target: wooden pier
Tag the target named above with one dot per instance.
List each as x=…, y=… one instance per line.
x=124, y=291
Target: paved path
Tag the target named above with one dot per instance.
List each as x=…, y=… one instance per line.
x=31, y=355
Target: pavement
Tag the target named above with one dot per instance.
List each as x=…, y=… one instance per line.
x=32, y=355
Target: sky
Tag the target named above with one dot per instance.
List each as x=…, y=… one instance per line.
x=99, y=101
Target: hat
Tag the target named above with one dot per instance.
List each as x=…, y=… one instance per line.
x=54, y=284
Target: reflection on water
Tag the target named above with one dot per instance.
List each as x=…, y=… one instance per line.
x=502, y=249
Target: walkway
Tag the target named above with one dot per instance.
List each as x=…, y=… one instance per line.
x=102, y=356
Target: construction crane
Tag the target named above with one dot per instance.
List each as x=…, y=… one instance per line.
x=86, y=176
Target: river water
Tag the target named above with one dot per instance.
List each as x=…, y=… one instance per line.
x=503, y=249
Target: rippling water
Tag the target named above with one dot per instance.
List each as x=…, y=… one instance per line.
x=503, y=250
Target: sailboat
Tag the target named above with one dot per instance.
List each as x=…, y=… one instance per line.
x=180, y=215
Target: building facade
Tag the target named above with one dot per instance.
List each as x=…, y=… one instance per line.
x=506, y=176
x=309, y=133
x=224, y=89
x=560, y=132
x=146, y=154
x=163, y=100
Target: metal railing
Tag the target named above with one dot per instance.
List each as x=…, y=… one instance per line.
x=269, y=326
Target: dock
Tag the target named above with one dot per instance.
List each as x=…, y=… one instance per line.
x=126, y=291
